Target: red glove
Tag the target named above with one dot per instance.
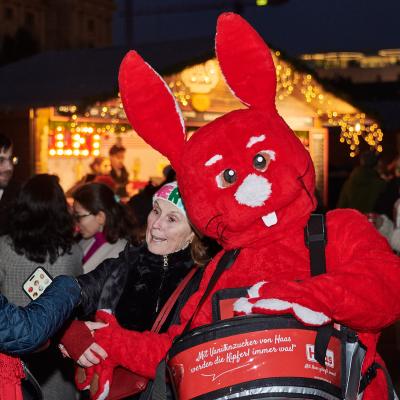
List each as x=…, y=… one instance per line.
x=76, y=339
x=99, y=377
x=83, y=377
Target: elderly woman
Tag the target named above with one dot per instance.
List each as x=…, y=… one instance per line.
x=137, y=284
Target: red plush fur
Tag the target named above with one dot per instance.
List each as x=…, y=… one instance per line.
x=360, y=288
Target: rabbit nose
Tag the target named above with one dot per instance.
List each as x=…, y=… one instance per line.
x=253, y=191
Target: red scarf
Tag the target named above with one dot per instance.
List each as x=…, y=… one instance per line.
x=99, y=240
x=11, y=373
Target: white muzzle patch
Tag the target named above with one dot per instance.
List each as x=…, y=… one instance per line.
x=253, y=191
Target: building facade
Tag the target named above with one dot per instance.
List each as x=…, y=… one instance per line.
x=60, y=24
x=384, y=66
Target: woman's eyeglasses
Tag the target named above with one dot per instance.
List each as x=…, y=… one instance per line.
x=78, y=217
x=12, y=160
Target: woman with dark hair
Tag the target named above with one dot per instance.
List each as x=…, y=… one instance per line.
x=40, y=233
x=104, y=224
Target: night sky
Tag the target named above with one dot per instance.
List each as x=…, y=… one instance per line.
x=297, y=26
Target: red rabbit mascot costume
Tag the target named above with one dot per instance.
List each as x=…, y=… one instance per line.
x=248, y=182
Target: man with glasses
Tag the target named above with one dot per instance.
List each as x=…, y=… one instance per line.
x=8, y=187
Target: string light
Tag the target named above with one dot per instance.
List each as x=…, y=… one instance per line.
x=80, y=138
x=353, y=127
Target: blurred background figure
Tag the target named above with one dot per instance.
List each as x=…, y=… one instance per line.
x=105, y=226
x=8, y=186
x=40, y=233
x=387, y=199
x=106, y=180
x=364, y=185
x=142, y=203
x=387, y=207
x=118, y=170
x=100, y=167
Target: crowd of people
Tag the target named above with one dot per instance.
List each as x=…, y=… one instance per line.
x=128, y=258
x=125, y=262
x=373, y=188
x=123, y=265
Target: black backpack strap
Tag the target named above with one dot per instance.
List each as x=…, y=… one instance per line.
x=159, y=390
x=30, y=387
x=226, y=261
x=370, y=374
x=315, y=238
x=190, y=289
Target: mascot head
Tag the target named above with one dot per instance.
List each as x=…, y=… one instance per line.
x=245, y=176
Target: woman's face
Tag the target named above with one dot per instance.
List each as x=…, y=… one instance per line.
x=168, y=230
x=89, y=224
x=105, y=167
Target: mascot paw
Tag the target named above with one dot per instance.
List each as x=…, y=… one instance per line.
x=105, y=316
x=83, y=377
x=101, y=381
x=245, y=306
x=258, y=303
x=303, y=314
x=254, y=291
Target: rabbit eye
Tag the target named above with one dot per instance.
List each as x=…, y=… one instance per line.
x=226, y=178
x=261, y=161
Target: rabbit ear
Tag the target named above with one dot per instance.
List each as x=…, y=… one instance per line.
x=151, y=107
x=246, y=61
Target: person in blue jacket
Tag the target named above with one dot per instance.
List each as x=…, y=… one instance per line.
x=23, y=329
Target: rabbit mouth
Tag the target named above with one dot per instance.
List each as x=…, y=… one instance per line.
x=270, y=219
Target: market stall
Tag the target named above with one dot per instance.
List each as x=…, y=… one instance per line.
x=68, y=137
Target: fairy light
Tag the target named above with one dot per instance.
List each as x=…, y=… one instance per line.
x=79, y=137
x=180, y=92
x=353, y=127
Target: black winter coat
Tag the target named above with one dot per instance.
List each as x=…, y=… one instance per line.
x=135, y=286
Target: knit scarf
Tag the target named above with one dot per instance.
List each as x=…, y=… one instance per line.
x=11, y=373
x=99, y=240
